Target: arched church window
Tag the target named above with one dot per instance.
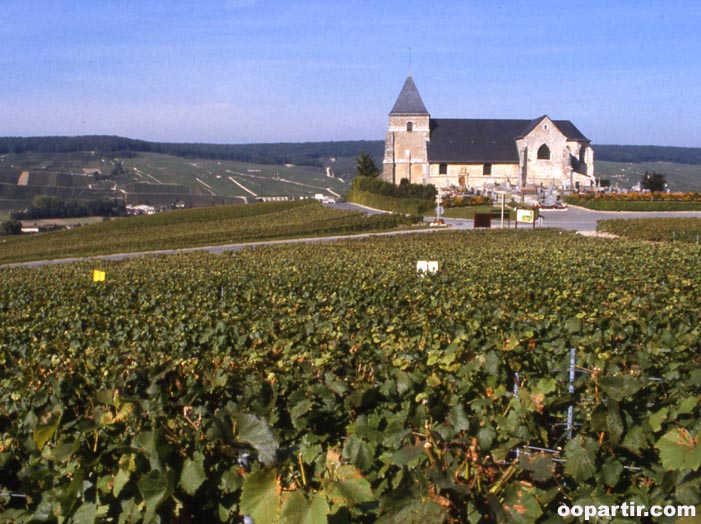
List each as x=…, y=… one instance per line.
x=543, y=152
x=582, y=154
x=410, y=126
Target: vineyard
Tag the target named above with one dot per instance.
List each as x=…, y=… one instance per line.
x=655, y=229
x=197, y=227
x=333, y=383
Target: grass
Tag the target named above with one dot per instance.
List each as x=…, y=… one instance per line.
x=612, y=205
x=195, y=227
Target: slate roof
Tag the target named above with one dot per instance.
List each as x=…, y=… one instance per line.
x=570, y=130
x=409, y=100
x=484, y=140
x=566, y=127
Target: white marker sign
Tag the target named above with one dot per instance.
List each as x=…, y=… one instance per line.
x=426, y=266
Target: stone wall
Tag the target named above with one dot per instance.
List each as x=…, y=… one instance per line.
x=405, y=151
x=473, y=175
x=539, y=171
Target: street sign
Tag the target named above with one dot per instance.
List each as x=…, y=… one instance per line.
x=439, y=210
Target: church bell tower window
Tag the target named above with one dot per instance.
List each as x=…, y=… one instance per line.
x=409, y=127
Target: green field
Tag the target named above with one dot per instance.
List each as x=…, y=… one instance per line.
x=195, y=227
x=331, y=383
x=215, y=176
x=680, y=177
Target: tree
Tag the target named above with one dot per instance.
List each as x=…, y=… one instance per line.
x=653, y=182
x=365, y=165
x=47, y=206
x=10, y=227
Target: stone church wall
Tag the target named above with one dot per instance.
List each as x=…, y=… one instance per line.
x=405, y=151
x=473, y=175
x=539, y=171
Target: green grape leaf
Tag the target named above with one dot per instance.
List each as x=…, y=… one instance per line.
x=679, y=450
x=580, y=454
x=620, y=387
x=155, y=488
x=298, y=509
x=46, y=428
x=520, y=504
x=192, y=475
x=256, y=432
x=349, y=488
x=85, y=514
x=415, y=511
x=260, y=496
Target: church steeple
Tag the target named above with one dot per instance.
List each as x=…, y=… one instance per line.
x=406, y=151
x=409, y=100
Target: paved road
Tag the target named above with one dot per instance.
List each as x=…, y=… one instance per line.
x=573, y=218
x=579, y=219
x=213, y=249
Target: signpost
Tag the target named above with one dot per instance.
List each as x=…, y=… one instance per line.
x=439, y=207
x=502, y=194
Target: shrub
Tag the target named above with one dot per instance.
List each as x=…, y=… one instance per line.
x=404, y=190
x=10, y=227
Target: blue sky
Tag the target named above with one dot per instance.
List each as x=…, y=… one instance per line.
x=236, y=71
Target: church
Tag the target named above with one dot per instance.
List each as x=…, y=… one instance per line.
x=483, y=153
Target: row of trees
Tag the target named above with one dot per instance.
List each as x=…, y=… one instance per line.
x=638, y=154
x=308, y=153
x=46, y=206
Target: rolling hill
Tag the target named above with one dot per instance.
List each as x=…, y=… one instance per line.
x=90, y=167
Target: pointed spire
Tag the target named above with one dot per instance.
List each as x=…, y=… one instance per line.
x=409, y=100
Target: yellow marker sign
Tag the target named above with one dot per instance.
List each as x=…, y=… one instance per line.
x=525, y=215
x=98, y=276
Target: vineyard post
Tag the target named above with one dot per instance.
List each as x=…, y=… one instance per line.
x=516, y=382
x=501, y=225
x=570, y=389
